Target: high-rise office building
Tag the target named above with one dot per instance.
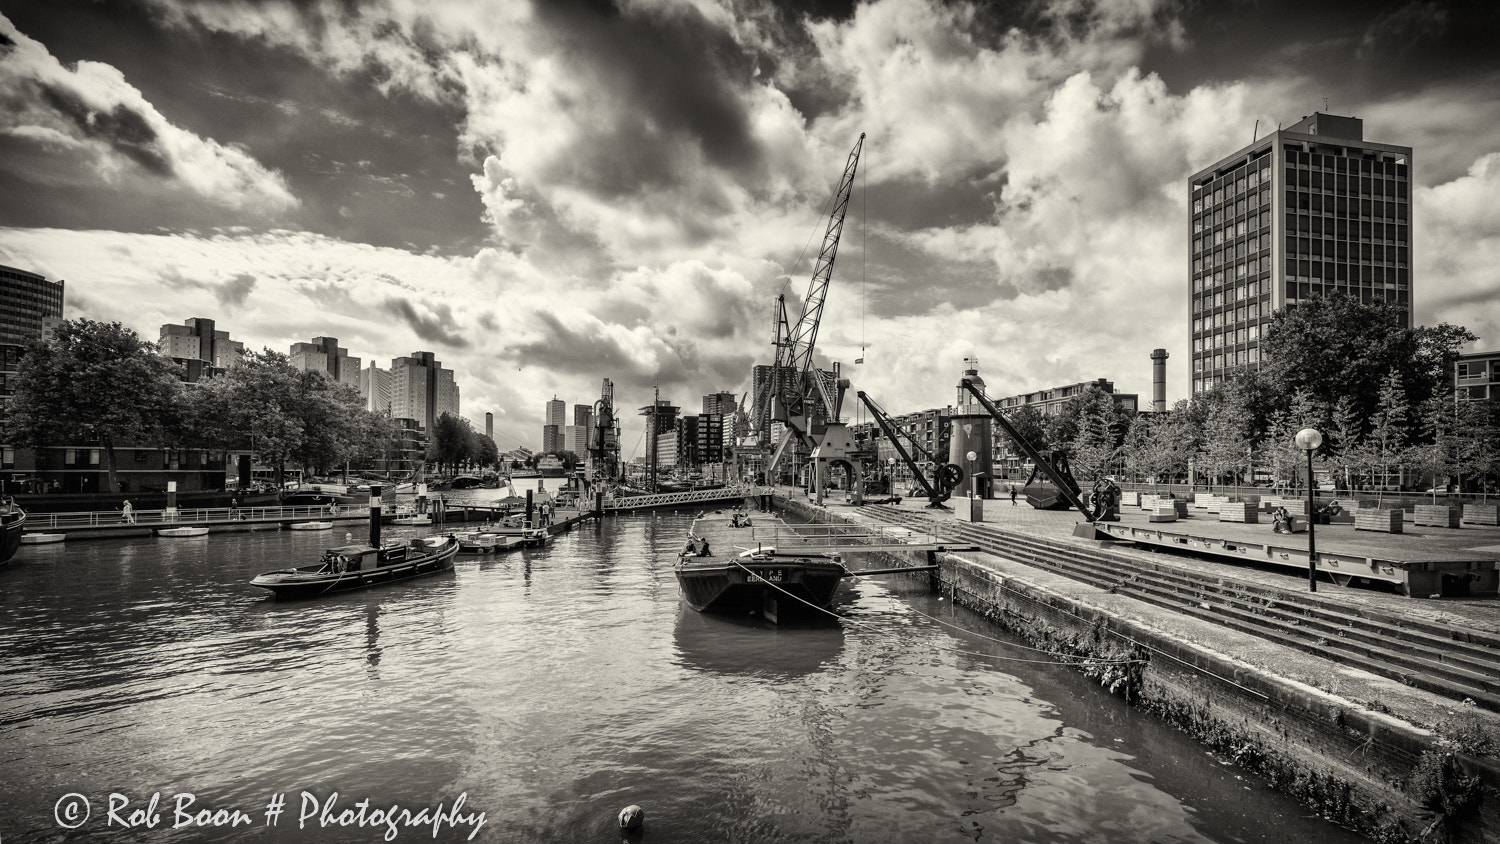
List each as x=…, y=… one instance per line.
x=29, y=306
x=326, y=356
x=200, y=348
x=422, y=390
x=1310, y=210
x=555, y=420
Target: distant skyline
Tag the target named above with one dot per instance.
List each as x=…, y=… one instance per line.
x=547, y=195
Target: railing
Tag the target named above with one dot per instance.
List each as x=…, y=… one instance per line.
x=814, y=536
x=36, y=522
x=669, y=499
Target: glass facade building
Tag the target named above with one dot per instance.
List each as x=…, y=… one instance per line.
x=1310, y=210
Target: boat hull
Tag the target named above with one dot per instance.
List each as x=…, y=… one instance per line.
x=14, y=525
x=786, y=586
x=316, y=586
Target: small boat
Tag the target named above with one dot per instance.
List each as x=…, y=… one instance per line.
x=477, y=542
x=183, y=531
x=312, y=526
x=42, y=538
x=359, y=566
x=412, y=519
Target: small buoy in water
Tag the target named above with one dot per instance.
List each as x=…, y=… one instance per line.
x=632, y=817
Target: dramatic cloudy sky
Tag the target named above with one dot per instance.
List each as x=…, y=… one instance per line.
x=548, y=194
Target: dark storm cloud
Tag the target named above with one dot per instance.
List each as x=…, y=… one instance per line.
x=682, y=77
x=124, y=129
x=438, y=327
x=236, y=290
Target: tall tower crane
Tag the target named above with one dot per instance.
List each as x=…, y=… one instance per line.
x=796, y=384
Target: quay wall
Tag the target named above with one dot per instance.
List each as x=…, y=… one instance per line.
x=1366, y=770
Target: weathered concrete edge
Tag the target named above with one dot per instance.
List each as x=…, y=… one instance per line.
x=1351, y=765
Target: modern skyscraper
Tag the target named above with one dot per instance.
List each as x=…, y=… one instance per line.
x=1310, y=210
x=29, y=305
x=324, y=355
x=375, y=387
x=200, y=347
x=421, y=389
x=552, y=428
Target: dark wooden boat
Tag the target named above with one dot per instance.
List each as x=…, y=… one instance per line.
x=13, y=519
x=359, y=566
x=775, y=585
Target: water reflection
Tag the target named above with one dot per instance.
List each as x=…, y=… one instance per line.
x=749, y=645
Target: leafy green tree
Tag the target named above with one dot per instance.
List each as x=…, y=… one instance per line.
x=1098, y=430
x=1335, y=346
x=93, y=380
x=486, y=452
x=451, y=443
x=1279, y=446
x=330, y=415
x=263, y=396
x=1225, y=449
x=1159, y=444
x=1346, y=434
x=1031, y=425
x=1390, y=431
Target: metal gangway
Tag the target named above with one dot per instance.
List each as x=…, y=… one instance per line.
x=736, y=492
x=841, y=538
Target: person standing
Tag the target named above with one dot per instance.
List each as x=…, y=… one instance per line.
x=127, y=512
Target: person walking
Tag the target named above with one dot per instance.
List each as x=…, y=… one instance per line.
x=1012, y=495
x=127, y=512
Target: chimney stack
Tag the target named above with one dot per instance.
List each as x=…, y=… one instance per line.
x=1159, y=380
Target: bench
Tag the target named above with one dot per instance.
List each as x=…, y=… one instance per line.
x=1385, y=521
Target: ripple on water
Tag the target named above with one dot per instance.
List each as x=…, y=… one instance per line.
x=555, y=686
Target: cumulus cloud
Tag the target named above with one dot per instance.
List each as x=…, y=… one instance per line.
x=91, y=118
x=650, y=169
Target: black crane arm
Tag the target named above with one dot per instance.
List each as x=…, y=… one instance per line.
x=1045, y=465
x=948, y=479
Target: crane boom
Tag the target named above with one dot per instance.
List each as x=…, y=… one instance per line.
x=795, y=351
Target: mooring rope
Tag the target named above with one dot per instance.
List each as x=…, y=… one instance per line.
x=1068, y=659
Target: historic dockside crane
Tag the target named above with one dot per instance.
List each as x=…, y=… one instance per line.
x=605, y=449
x=947, y=477
x=1065, y=483
x=795, y=386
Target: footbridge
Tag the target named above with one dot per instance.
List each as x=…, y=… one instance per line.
x=721, y=495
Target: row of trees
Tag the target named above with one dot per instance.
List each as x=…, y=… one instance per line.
x=100, y=382
x=1381, y=394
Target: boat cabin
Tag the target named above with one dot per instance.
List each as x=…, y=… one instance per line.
x=353, y=557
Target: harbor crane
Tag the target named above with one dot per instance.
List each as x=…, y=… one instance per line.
x=796, y=393
x=605, y=449
x=1106, y=495
x=946, y=476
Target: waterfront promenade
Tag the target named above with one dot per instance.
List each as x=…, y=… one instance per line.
x=1308, y=717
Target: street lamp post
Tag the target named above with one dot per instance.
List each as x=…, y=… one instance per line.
x=1308, y=439
x=973, y=481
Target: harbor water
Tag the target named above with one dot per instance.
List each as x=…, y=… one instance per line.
x=549, y=688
